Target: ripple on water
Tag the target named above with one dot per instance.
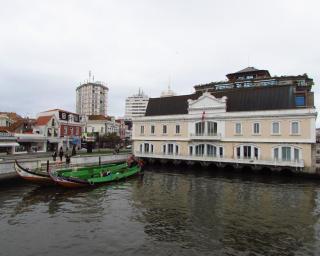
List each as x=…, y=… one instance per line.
x=167, y=212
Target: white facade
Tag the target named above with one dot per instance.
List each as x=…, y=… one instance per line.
x=136, y=105
x=92, y=99
x=102, y=126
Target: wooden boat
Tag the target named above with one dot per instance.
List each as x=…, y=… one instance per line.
x=91, y=176
x=31, y=175
x=42, y=177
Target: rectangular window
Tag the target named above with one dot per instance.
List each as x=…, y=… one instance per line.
x=152, y=129
x=256, y=128
x=256, y=153
x=221, y=151
x=300, y=101
x=164, y=149
x=164, y=129
x=247, y=151
x=238, y=128
x=238, y=152
x=275, y=128
x=296, y=154
x=177, y=129
x=295, y=127
x=191, y=150
x=276, y=153
x=142, y=129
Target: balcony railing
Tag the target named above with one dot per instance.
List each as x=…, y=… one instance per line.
x=205, y=136
x=222, y=159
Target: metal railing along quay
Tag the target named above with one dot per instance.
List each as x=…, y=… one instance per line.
x=218, y=159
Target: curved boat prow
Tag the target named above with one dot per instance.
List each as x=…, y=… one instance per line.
x=31, y=175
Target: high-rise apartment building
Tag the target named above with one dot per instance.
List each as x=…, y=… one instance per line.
x=136, y=105
x=92, y=99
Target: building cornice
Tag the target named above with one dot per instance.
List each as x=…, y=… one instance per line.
x=306, y=112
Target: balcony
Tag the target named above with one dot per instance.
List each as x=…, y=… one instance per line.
x=205, y=136
x=221, y=159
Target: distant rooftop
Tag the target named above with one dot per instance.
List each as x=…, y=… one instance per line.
x=253, y=77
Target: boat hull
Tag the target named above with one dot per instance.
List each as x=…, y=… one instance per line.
x=116, y=173
x=29, y=175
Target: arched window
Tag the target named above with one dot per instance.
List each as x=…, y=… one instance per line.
x=200, y=150
x=286, y=153
x=211, y=128
x=140, y=148
x=177, y=150
x=211, y=150
x=199, y=128
x=247, y=152
x=146, y=147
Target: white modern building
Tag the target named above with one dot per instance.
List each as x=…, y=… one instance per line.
x=136, y=105
x=92, y=99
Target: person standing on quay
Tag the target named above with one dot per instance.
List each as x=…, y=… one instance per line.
x=68, y=159
x=61, y=154
x=54, y=156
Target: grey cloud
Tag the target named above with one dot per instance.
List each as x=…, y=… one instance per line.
x=48, y=47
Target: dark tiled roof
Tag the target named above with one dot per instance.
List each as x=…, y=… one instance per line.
x=98, y=117
x=246, y=70
x=244, y=99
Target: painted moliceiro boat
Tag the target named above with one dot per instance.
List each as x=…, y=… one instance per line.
x=93, y=176
x=31, y=175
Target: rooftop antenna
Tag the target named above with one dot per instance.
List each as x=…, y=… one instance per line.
x=89, y=75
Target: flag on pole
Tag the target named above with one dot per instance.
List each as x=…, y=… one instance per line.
x=203, y=116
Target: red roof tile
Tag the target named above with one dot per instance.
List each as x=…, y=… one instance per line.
x=43, y=120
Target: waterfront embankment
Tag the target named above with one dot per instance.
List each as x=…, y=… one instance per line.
x=7, y=166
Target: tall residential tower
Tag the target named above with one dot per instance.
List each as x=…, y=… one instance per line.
x=92, y=98
x=136, y=105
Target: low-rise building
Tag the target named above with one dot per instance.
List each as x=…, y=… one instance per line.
x=8, y=142
x=61, y=128
x=253, y=119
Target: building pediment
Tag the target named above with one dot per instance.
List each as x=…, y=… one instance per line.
x=207, y=102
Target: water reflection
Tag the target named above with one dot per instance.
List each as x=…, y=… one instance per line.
x=166, y=212
x=236, y=214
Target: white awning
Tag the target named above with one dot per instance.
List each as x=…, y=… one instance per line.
x=9, y=144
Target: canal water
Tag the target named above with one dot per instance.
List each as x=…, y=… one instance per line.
x=168, y=211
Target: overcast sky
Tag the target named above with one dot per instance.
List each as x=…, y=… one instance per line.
x=48, y=47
